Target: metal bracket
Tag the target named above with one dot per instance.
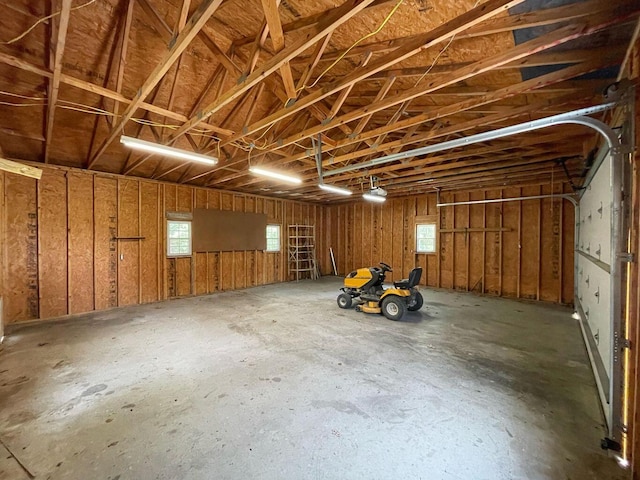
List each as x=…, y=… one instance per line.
x=627, y=257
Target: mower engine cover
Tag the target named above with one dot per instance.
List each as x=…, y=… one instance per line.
x=363, y=278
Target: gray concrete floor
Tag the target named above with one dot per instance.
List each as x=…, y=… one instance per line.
x=277, y=382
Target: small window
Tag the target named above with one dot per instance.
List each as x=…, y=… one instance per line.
x=178, y=238
x=273, y=238
x=426, y=238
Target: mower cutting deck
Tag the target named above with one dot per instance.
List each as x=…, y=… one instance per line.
x=365, y=285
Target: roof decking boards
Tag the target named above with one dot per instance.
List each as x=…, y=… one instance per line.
x=253, y=82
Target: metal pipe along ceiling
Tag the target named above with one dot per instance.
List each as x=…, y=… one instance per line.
x=568, y=117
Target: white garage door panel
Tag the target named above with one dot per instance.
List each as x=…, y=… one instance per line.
x=593, y=279
x=594, y=297
x=595, y=216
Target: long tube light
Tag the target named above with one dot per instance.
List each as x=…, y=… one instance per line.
x=151, y=147
x=373, y=198
x=334, y=189
x=276, y=175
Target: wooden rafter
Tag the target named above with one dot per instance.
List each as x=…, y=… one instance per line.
x=407, y=50
x=54, y=84
x=272, y=17
x=562, y=35
x=197, y=21
x=347, y=11
x=548, y=16
x=306, y=22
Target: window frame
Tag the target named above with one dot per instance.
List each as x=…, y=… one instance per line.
x=170, y=254
x=429, y=220
x=267, y=249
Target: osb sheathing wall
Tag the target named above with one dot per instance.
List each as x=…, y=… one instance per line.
x=75, y=242
x=520, y=249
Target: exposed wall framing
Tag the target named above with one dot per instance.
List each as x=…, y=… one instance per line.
x=521, y=249
x=79, y=241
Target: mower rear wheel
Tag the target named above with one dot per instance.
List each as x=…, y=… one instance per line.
x=344, y=300
x=393, y=308
x=416, y=302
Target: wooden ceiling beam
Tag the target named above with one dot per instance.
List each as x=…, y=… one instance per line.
x=270, y=8
x=342, y=14
x=19, y=168
x=407, y=50
x=306, y=22
x=54, y=83
x=508, y=23
x=101, y=91
x=122, y=56
x=464, y=157
x=182, y=41
x=536, y=60
x=620, y=12
x=379, y=96
x=445, y=111
x=342, y=96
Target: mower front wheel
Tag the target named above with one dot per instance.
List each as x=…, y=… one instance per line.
x=344, y=300
x=393, y=308
x=416, y=302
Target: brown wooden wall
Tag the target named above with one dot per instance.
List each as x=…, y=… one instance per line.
x=70, y=243
x=520, y=249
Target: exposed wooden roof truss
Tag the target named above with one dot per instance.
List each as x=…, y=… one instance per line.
x=256, y=82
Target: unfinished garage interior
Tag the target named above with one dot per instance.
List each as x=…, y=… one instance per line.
x=188, y=185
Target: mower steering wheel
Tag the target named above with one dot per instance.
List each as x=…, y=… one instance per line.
x=386, y=267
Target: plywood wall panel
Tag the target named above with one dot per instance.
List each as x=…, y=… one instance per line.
x=150, y=227
x=105, y=246
x=184, y=199
x=510, y=245
x=213, y=199
x=476, y=243
x=446, y=243
x=461, y=242
x=52, y=243
x=80, y=246
x=21, y=249
x=183, y=276
x=128, y=246
x=493, y=246
x=551, y=263
x=408, y=227
x=480, y=247
x=106, y=271
x=530, y=250
x=213, y=270
x=226, y=270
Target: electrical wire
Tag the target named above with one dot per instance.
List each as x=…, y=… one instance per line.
x=42, y=20
x=435, y=60
x=344, y=54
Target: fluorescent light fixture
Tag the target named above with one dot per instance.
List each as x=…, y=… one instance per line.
x=277, y=175
x=373, y=198
x=151, y=147
x=334, y=189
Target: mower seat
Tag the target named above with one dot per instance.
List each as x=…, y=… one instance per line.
x=412, y=281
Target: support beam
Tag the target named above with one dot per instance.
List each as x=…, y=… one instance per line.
x=272, y=17
x=341, y=15
x=619, y=13
x=197, y=21
x=54, y=83
x=20, y=169
x=407, y=50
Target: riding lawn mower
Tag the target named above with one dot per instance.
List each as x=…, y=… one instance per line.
x=365, y=286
